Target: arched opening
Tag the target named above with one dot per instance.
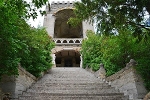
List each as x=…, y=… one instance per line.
x=64, y=30
x=77, y=41
x=71, y=41
x=67, y=58
x=65, y=41
x=58, y=41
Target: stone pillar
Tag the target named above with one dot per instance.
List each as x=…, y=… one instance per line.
x=131, y=63
x=53, y=60
x=49, y=23
x=80, y=61
x=102, y=72
x=86, y=26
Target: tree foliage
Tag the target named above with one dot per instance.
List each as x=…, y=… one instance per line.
x=91, y=51
x=18, y=41
x=115, y=51
x=35, y=53
x=112, y=15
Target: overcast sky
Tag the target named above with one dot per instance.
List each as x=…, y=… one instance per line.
x=39, y=21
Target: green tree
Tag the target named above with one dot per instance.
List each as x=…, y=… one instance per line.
x=35, y=54
x=91, y=51
x=115, y=51
x=112, y=15
x=13, y=15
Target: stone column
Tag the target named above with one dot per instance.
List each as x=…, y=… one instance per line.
x=102, y=72
x=49, y=23
x=131, y=63
x=81, y=61
x=86, y=26
x=53, y=60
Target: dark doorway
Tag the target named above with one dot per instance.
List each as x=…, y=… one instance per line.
x=67, y=58
x=68, y=63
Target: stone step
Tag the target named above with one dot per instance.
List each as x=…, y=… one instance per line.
x=74, y=98
x=98, y=85
x=71, y=84
x=69, y=88
x=75, y=91
x=46, y=96
x=69, y=76
x=67, y=82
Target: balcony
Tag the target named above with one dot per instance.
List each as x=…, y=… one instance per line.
x=68, y=41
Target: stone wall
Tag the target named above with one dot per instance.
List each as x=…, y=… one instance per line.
x=129, y=82
x=14, y=85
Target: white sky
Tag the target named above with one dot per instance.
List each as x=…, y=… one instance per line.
x=39, y=21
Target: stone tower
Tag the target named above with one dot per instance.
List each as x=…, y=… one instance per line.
x=67, y=39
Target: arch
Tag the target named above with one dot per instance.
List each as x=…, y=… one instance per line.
x=62, y=10
x=67, y=58
x=58, y=41
x=71, y=41
x=64, y=30
x=65, y=41
x=77, y=41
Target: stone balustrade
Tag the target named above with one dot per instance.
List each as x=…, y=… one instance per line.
x=68, y=41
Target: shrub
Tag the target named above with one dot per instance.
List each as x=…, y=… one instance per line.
x=35, y=56
x=115, y=51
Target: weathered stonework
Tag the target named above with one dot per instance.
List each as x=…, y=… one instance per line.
x=68, y=39
x=15, y=85
x=128, y=82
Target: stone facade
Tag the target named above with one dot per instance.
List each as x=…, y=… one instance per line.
x=68, y=39
x=15, y=85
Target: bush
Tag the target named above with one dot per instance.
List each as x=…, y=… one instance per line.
x=35, y=55
x=115, y=51
x=91, y=51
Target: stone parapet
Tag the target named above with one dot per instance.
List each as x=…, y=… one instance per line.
x=129, y=82
x=15, y=85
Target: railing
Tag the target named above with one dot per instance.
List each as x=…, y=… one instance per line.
x=68, y=41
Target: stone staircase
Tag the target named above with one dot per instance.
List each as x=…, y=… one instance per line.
x=71, y=84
